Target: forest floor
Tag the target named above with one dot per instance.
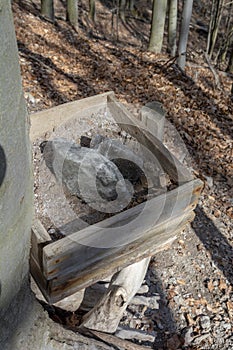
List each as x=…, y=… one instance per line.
x=194, y=278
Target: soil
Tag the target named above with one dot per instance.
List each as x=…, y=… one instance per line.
x=194, y=278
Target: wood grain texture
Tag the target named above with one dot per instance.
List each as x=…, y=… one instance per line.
x=107, y=313
x=155, y=241
x=79, y=250
x=39, y=238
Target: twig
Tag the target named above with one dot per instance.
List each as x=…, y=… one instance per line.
x=118, y=342
x=216, y=77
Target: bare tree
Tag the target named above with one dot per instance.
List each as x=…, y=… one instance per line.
x=172, y=26
x=184, y=32
x=157, y=25
x=227, y=37
x=47, y=9
x=215, y=19
x=72, y=13
x=131, y=5
x=92, y=13
x=122, y=10
x=230, y=65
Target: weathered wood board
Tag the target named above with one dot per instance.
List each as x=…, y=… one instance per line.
x=63, y=267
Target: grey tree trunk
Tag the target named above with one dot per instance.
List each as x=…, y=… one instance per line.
x=47, y=9
x=72, y=13
x=92, y=10
x=157, y=26
x=227, y=41
x=184, y=32
x=16, y=201
x=172, y=26
x=216, y=16
x=131, y=5
x=122, y=10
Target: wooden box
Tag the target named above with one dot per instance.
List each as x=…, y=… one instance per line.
x=75, y=262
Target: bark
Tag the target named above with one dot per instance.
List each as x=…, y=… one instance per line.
x=15, y=187
x=47, y=9
x=157, y=26
x=72, y=13
x=172, y=26
x=184, y=31
x=230, y=65
x=131, y=4
x=228, y=36
x=216, y=16
x=122, y=10
x=92, y=13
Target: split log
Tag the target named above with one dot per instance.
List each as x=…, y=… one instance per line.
x=106, y=315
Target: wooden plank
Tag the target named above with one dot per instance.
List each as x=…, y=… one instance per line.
x=80, y=249
x=37, y=274
x=39, y=239
x=174, y=168
x=136, y=251
x=46, y=120
x=152, y=116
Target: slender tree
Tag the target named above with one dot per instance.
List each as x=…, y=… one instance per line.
x=215, y=19
x=47, y=9
x=157, y=25
x=172, y=26
x=227, y=39
x=184, y=32
x=131, y=5
x=230, y=65
x=122, y=10
x=92, y=13
x=72, y=13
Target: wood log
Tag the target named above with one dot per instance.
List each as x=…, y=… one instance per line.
x=107, y=313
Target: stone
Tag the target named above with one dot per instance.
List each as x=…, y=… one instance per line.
x=129, y=164
x=87, y=174
x=205, y=322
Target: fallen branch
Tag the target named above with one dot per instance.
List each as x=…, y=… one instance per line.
x=137, y=334
x=216, y=77
x=118, y=342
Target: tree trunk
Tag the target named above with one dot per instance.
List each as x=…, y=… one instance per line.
x=47, y=9
x=131, y=5
x=122, y=10
x=216, y=16
x=72, y=13
x=227, y=38
x=172, y=26
x=15, y=187
x=230, y=65
x=157, y=26
x=92, y=10
x=184, y=31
